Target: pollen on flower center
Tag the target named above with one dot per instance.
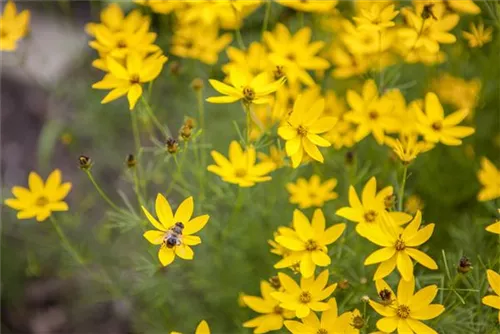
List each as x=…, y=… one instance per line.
x=249, y=93
x=373, y=114
x=311, y=245
x=322, y=331
x=301, y=131
x=42, y=201
x=370, y=216
x=134, y=79
x=437, y=126
x=403, y=311
x=400, y=245
x=121, y=44
x=305, y=297
x=240, y=172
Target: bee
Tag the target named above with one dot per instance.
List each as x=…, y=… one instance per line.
x=427, y=12
x=174, y=235
x=385, y=296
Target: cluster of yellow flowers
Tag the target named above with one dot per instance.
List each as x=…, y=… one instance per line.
x=277, y=81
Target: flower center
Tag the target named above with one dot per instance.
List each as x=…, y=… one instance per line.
x=42, y=201
x=291, y=57
x=278, y=72
x=301, y=131
x=437, y=126
x=189, y=44
x=240, y=172
x=278, y=310
x=134, y=79
x=3, y=33
x=370, y=216
x=373, y=114
x=322, y=331
x=311, y=245
x=358, y=322
x=400, y=244
x=249, y=93
x=389, y=201
x=403, y=311
x=121, y=44
x=305, y=297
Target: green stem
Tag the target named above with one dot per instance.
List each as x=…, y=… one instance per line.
x=239, y=39
x=266, y=17
x=249, y=122
x=301, y=19
x=137, y=143
x=137, y=187
x=199, y=150
x=234, y=214
x=65, y=242
x=402, y=189
x=100, y=191
x=155, y=120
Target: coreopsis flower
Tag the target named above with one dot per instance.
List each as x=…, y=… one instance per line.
x=347, y=64
x=127, y=79
x=311, y=193
x=307, y=296
x=428, y=32
x=295, y=53
x=435, y=127
x=13, y=26
x=489, y=177
x=113, y=18
x=310, y=6
x=405, y=311
x=413, y=203
x=493, y=300
x=42, y=198
x=462, y=6
x=342, y=134
x=162, y=6
x=253, y=60
x=241, y=167
x=272, y=315
x=408, y=148
x=330, y=322
x=367, y=213
x=399, y=247
x=255, y=90
x=495, y=227
x=275, y=156
x=202, y=328
x=478, y=36
x=371, y=112
x=174, y=232
x=308, y=244
x=303, y=129
x=377, y=17
x=460, y=93
x=199, y=42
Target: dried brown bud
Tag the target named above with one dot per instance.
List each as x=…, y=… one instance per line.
x=349, y=158
x=85, y=162
x=175, y=68
x=358, y=322
x=197, y=84
x=172, y=145
x=275, y=282
x=344, y=284
x=130, y=161
x=187, y=129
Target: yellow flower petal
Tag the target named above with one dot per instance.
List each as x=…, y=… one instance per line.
x=35, y=182
x=427, y=312
x=154, y=237
x=202, y=328
x=195, y=224
x=184, y=211
x=422, y=258
x=184, y=252
x=164, y=211
x=152, y=220
x=405, y=266
x=166, y=255
x=380, y=255
x=133, y=95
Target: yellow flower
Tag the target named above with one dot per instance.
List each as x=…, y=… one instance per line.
x=198, y=41
x=458, y=92
x=241, y=168
x=413, y=203
x=347, y=64
x=13, y=26
x=253, y=60
x=112, y=17
x=493, y=300
x=478, y=36
x=408, y=148
x=127, y=79
x=430, y=32
x=161, y=6
x=272, y=314
x=406, y=311
x=399, y=247
x=295, y=53
x=495, y=227
x=41, y=199
x=308, y=242
x=311, y=6
x=174, y=232
x=372, y=113
x=276, y=156
x=369, y=211
x=311, y=193
x=303, y=129
x=330, y=323
x=435, y=127
x=378, y=17
x=202, y=328
x=306, y=297
x=251, y=90
x=461, y=6
x=489, y=177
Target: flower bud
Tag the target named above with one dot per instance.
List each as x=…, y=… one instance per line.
x=344, y=284
x=358, y=322
x=464, y=265
x=175, y=68
x=172, y=145
x=85, y=162
x=275, y=282
x=197, y=84
x=130, y=161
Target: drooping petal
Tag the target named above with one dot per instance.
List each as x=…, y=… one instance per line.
x=184, y=252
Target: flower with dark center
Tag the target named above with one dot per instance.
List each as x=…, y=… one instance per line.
x=42, y=201
x=311, y=245
x=305, y=297
x=84, y=162
x=403, y=311
x=249, y=94
x=370, y=216
x=437, y=126
x=373, y=114
x=400, y=244
x=322, y=331
x=135, y=79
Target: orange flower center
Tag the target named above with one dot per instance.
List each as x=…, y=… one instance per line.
x=311, y=245
x=370, y=216
x=42, y=201
x=134, y=79
x=400, y=244
x=249, y=93
x=373, y=114
x=278, y=310
x=240, y=172
x=305, y=297
x=121, y=44
x=403, y=311
x=322, y=331
x=301, y=131
x=437, y=126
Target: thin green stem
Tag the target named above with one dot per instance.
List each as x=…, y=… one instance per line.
x=246, y=106
x=66, y=243
x=266, y=17
x=239, y=39
x=137, y=186
x=301, y=19
x=234, y=214
x=100, y=191
x=137, y=143
x=402, y=189
x=199, y=150
x=157, y=123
